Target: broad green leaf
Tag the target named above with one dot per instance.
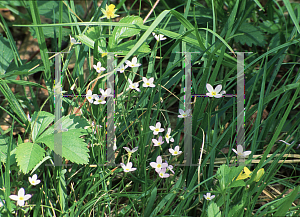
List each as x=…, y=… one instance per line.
x=120, y=33
x=125, y=47
x=237, y=183
x=286, y=205
x=69, y=122
x=73, y=147
x=46, y=9
x=252, y=35
x=49, y=32
x=6, y=54
x=269, y=27
x=28, y=155
x=39, y=122
x=25, y=69
x=213, y=210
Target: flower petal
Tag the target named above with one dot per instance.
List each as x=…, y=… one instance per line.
x=209, y=88
x=218, y=88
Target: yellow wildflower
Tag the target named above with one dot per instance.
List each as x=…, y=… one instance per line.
x=109, y=12
x=245, y=175
x=259, y=174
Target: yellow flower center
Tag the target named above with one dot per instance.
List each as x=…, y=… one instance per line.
x=167, y=136
x=156, y=129
x=184, y=115
x=21, y=198
x=161, y=174
x=132, y=65
x=158, y=166
x=175, y=152
x=127, y=169
x=32, y=181
x=148, y=83
x=103, y=55
x=208, y=198
x=158, y=143
x=98, y=69
x=89, y=97
x=213, y=93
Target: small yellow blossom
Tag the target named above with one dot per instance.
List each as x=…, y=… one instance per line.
x=109, y=12
x=247, y=174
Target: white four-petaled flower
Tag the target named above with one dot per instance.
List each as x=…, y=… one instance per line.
x=34, y=180
x=131, y=151
x=170, y=167
x=162, y=173
x=133, y=63
x=148, y=82
x=99, y=100
x=21, y=197
x=175, y=151
x=134, y=86
x=90, y=96
x=73, y=41
x=157, y=128
x=158, y=165
x=1, y=204
x=159, y=37
x=158, y=142
x=105, y=93
x=208, y=196
x=168, y=137
x=240, y=152
x=184, y=114
x=214, y=92
x=122, y=68
x=128, y=167
x=98, y=67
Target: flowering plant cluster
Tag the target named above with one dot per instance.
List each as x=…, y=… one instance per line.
x=22, y=197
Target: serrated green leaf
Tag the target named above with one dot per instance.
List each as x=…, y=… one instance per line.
x=213, y=210
x=269, y=27
x=6, y=54
x=120, y=33
x=42, y=122
x=73, y=147
x=235, y=210
x=69, y=122
x=252, y=35
x=28, y=155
